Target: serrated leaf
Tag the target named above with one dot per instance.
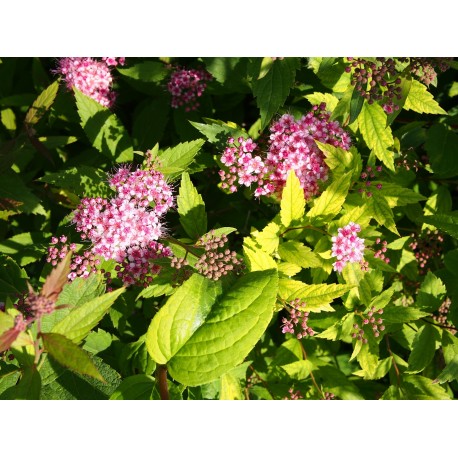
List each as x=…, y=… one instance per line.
x=42, y=104
x=299, y=254
x=336, y=382
x=26, y=247
x=396, y=195
x=313, y=295
x=172, y=162
x=80, y=321
x=68, y=354
x=28, y=388
x=382, y=212
x=317, y=98
x=377, y=135
x=419, y=388
x=207, y=349
x=103, y=129
x=255, y=258
x=13, y=189
x=217, y=132
x=82, y=180
x=446, y=223
x=191, y=209
x=399, y=314
x=423, y=348
x=449, y=373
x=330, y=202
x=12, y=278
x=136, y=387
x=340, y=160
x=422, y=101
x=268, y=239
x=272, y=90
x=292, y=205
x=431, y=294
x=98, y=341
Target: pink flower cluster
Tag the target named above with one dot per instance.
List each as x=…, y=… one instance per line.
x=126, y=227
x=92, y=77
x=291, y=146
x=347, y=246
x=186, y=86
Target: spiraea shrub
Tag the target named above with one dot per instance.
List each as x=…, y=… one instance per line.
x=229, y=228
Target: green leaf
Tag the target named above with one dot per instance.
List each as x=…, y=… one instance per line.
x=421, y=101
x=421, y=388
x=331, y=72
x=268, y=239
x=103, y=129
x=336, y=382
x=191, y=209
x=317, y=98
x=450, y=372
x=68, y=354
x=377, y=135
x=299, y=254
x=399, y=314
x=255, y=258
x=313, y=295
x=64, y=384
x=446, y=223
x=442, y=147
x=41, y=104
x=423, y=348
x=17, y=196
x=179, y=318
x=28, y=388
x=330, y=202
x=146, y=72
x=26, y=247
x=136, y=387
x=217, y=132
x=12, y=278
x=382, y=212
x=431, y=294
x=272, y=90
x=98, y=341
x=210, y=347
x=340, y=160
x=230, y=388
x=172, y=162
x=80, y=321
x=396, y=195
x=292, y=203
x=82, y=180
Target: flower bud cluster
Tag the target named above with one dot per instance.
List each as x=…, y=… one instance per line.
x=186, y=86
x=426, y=246
x=328, y=396
x=380, y=81
x=367, y=176
x=126, y=227
x=380, y=253
x=409, y=161
x=291, y=146
x=217, y=261
x=371, y=320
x=293, y=395
x=442, y=314
x=347, y=246
x=92, y=77
x=297, y=322
x=82, y=265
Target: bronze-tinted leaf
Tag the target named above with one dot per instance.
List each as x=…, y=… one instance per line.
x=57, y=279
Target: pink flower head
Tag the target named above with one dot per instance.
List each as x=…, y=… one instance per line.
x=291, y=146
x=347, y=246
x=114, y=61
x=186, y=86
x=93, y=78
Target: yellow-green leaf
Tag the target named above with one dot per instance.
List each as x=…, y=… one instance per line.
x=292, y=200
x=422, y=101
